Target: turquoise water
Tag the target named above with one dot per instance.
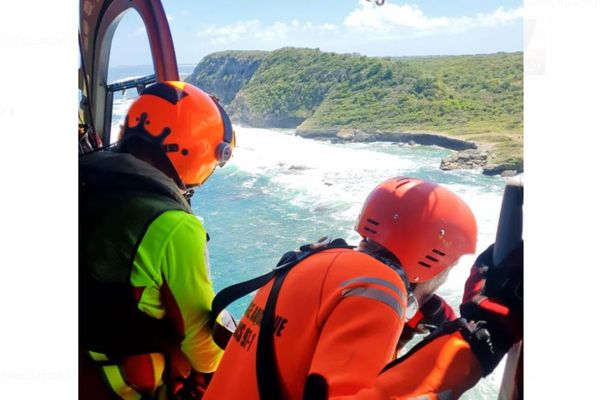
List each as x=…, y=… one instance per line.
x=130, y=71
x=280, y=191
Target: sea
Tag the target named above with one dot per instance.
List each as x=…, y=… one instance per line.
x=280, y=191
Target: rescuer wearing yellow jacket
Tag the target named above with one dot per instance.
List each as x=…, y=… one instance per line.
x=340, y=313
x=145, y=288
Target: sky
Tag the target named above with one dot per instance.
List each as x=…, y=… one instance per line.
x=398, y=28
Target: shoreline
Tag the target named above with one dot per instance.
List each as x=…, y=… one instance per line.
x=423, y=138
x=468, y=154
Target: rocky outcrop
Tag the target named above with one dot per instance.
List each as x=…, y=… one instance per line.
x=480, y=159
x=469, y=155
x=503, y=169
x=354, y=135
x=223, y=74
x=466, y=159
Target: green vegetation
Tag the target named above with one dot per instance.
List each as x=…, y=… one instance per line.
x=475, y=97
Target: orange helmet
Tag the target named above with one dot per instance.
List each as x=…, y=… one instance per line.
x=426, y=226
x=190, y=126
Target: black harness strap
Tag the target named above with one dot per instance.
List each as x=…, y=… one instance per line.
x=232, y=293
x=266, y=367
x=269, y=387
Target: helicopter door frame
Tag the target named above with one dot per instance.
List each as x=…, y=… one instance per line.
x=97, y=27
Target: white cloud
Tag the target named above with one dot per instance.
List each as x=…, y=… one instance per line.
x=388, y=24
x=278, y=30
x=256, y=30
x=220, y=34
x=170, y=17
x=395, y=18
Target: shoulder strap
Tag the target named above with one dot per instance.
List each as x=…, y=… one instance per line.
x=268, y=380
x=234, y=292
x=269, y=387
x=266, y=368
x=231, y=293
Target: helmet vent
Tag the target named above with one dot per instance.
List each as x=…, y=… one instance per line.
x=402, y=182
x=370, y=230
x=431, y=258
x=372, y=222
x=438, y=252
x=424, y=264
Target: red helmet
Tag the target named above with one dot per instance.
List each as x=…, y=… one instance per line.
x=189, y=125
x=426, y=226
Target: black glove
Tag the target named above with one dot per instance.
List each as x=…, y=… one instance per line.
x=433, y=313
x=493, y=304
x=193, y=387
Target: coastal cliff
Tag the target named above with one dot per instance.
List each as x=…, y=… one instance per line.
x=471, y=104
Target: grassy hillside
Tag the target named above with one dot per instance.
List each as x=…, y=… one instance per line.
x=477, y=97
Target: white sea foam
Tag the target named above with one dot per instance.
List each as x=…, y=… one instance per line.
x=317, y=174
x=336, y=178
x=120, y=108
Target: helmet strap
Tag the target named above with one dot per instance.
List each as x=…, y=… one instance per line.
x=224, y=148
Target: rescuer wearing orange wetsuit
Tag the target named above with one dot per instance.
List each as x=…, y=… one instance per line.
x=340, y=313
x=456, y=356
x=145, y=287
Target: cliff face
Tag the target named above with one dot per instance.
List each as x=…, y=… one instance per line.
x=242, y=113
x=223, y=74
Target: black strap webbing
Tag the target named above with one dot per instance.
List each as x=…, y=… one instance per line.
x=266, y=367
x=232, y=293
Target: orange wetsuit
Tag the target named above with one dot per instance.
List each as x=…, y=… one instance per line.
x=339, y=315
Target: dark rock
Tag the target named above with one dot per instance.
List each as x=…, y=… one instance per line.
x=500, y=169
x=355, y=135
x=466, y=159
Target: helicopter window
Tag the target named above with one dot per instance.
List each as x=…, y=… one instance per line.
x=130, y=68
